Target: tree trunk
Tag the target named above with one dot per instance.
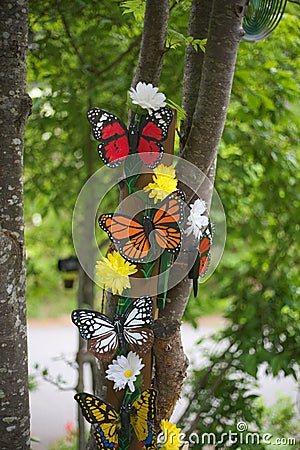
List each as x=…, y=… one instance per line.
x=224, y=35
x=203, y=130
x=14, y=109
x=198, y=29
x=153, y=42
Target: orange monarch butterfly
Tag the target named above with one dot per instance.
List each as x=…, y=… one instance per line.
x=109, y=422
x=201, y=264
x=131, y=237
x=106, y=335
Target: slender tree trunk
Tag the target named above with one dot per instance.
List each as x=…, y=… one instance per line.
x=224, y=35
x=202, y=133
x=14, y=108
x=153, y=42
x=198, y=29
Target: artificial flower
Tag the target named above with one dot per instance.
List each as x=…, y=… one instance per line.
x=196, y=220
x=114, y=272
x=147, y=96
x=124, y=370
x=164, y=182
x=171, y=436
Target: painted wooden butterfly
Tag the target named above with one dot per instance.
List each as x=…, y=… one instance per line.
x=131, y=237
x=201, y=264
x=107, y=335
x=116, y=141
x=109, y=422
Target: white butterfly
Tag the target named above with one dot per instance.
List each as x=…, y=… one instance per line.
x=107, y=335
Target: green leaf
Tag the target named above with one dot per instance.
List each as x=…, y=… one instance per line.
x=268, y=102
x=136, y=7
x=162, y=286
x=180, y=112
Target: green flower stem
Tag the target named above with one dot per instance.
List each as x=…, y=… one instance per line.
x=122, y=304
x=148, y=269
x=131, y=182
x=164, y=266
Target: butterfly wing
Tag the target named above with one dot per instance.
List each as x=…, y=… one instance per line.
x=139, y=316
x=155, y=131
x=127, y=234
x=204, y=251
x=166, y=222
x=107, y=436
x=107, y=419
x=142, y=416
x=113, y=135
x=99, y=329
x=204, y=265
x=200, y=266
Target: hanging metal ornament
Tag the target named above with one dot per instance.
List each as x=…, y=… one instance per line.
x=262, y=18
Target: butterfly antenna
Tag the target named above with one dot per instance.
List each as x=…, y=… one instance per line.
x=195, y=286
x=103, y=301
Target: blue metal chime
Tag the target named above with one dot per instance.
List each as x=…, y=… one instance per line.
x=262, y=18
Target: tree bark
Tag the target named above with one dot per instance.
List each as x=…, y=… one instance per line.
x=14, y=109
x=202, y=140
x=225, y=33
x=198, y=28
x=153, y=42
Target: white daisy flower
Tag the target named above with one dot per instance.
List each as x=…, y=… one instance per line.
x=147, y=96
x=124, y=370
x=196, y=220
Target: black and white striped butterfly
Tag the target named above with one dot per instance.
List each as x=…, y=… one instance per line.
x=106, y=335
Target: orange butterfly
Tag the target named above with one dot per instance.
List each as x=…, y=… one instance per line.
x=132, y=238
x=202, y=261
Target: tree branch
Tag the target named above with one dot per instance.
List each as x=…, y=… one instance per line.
x=168, y=351
x=79, y=55
x=224, y=36
x=120, y=57
x=69, y=34
x=198, y=28
x=153, y=42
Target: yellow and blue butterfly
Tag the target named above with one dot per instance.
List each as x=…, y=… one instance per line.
x=109, y=422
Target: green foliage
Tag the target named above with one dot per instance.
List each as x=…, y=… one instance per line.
x=176, y=39
x=47, y=242
x=180, y=111
x=32, y=383
x=136, y=7
x=281, y=421
x=70, y=442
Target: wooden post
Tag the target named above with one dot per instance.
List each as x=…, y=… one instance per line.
x=115, y=397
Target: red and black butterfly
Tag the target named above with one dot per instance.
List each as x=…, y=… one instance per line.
x=144, y=138
x=201, y=264
x=132, y=237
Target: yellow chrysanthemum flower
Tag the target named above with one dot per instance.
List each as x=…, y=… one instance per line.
x=171, y=439
x=164, y=182
x=114, y=272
